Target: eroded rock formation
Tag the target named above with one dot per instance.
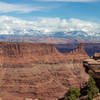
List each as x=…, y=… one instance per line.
x=93, y=67
x=39, y=71
x=37, y=53
x=78, y=53
x=26, y=52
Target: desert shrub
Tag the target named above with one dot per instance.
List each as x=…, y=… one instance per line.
x=73, y=94
x=92, y=90
x=89, y=92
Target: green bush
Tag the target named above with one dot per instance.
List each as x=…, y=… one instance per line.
x=89, y=96
x=73, y=94
x=92, y=90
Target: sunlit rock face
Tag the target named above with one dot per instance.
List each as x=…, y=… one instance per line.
x=38, y=53
x=30, y=70
x=93, y=67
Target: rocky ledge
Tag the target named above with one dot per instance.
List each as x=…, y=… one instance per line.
x=92, y=66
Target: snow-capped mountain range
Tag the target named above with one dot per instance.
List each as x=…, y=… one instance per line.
x=50, y=27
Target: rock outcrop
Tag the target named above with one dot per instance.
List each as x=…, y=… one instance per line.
x=96, y=56
x=37, y=53
x=93, y=67
x=27, y=52
x=79, y=52
x=39, y=71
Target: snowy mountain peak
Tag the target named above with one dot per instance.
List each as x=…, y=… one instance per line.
x=52, y=27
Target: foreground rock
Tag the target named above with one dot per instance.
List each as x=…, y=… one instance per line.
x=93, y=67
x=39, y=71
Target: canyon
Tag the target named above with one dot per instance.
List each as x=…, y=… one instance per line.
x=39, y=70
x=62, y=44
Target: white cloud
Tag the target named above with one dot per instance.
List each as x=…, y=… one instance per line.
x=6, y=7
x=45, y=26
x=69, y=0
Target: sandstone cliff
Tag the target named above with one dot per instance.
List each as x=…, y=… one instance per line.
x=39, y=71
x=26, y=52
x=78, y=53
x=38, y=53
x=93, y=67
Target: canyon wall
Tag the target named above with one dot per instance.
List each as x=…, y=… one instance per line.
x=92, y=66
x=38, y=53
x=34, y=71
x=26, y=52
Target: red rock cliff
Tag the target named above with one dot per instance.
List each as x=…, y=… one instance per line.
x=25, y=52
x=37, y=53
x=39, y=71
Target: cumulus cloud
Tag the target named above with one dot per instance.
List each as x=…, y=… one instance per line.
x=6, y=7
x=69, y=0
x=47, y=26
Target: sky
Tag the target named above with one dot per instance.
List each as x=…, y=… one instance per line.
x=50, y=16
x=27, y=9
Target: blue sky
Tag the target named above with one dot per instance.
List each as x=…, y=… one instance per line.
x=88, y=10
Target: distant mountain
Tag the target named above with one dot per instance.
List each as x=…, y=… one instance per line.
x=53, y=40
x=69, y=35
x=73, y=34
x=46, y=27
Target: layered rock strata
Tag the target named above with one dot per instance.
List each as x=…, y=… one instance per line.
x=93, y=67
x=39, y=71
x=37, y=53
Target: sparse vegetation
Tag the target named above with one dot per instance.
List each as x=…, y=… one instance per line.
x=73, y=94
x=91, y=91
